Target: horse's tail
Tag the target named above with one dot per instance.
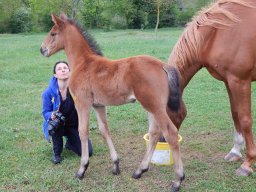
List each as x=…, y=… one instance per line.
x=174, y=87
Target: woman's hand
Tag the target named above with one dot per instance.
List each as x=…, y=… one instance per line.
x=53, y=116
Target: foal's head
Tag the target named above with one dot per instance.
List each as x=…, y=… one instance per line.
x=54, y=40
x=62, y=30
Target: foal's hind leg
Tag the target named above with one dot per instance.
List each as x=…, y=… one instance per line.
x=103, y=126
x=170, y=133
x=154, y=134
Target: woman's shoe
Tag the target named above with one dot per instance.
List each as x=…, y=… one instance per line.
x=56, y=159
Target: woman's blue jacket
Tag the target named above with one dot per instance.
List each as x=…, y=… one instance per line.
x=50, y=103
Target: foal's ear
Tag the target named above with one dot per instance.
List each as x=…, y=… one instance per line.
x=57, y=21
x=63, y=16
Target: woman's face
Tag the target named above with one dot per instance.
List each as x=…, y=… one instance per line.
x=62, y=71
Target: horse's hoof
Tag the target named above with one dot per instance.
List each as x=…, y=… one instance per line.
x=232, y=157
x=138, y=175
x=175, y=187
x=244, y=171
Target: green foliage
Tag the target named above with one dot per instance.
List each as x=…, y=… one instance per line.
x=137, y=18
x=7, y=10
x=183, y=17
x=42, y=10
x=107, y=13
x=201, y=3
x=20, y=21
x=91, y=13
x=167, y=18
x=26, y=15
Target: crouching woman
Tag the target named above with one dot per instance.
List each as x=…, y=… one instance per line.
x=60, y=115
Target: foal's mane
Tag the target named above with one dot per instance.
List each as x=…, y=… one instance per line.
x=187, y=49
x=88, y=38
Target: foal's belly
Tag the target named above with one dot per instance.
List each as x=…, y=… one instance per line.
x=113, y=100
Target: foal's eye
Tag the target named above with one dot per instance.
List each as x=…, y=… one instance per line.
x=53, y=34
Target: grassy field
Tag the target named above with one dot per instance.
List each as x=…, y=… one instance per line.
x=25, y=155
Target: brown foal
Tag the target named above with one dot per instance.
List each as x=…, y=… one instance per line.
x=97, y=82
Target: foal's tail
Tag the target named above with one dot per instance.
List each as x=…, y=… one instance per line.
x=174, y=87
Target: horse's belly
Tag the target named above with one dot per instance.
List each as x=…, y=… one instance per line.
x=214, y=73
x=254, y=74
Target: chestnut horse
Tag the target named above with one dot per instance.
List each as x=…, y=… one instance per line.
x=97, y=82
x=222, y=38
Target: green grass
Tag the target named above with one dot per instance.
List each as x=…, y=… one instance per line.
x=25, y=156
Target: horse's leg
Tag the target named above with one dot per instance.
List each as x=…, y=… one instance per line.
x=154, y=134
x=103, y=126
x=83, y=128
x=235, y=152
x=241, y=95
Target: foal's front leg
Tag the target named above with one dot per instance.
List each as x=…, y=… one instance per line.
x=103, y=126
x=83, y=116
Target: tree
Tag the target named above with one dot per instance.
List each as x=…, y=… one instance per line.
x=161, y=13
x=75, y=7
x=158, y=14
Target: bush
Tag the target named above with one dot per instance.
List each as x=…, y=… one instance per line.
x=118, y=22
x=20, y=21
x=183, y=17
x=4, y=26
x=137, y=19
x=45, y=22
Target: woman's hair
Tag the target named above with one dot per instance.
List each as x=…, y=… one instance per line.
x=54, y=68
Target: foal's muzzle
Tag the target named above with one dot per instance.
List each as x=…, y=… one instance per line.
x=44, y=51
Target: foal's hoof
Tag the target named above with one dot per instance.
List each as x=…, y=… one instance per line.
x=138, y=175
x=232, y=157
x=116, y=170
x=244, y=171
x=81, y=171
x=182, y=178
x=175, y=187
x=79, y=176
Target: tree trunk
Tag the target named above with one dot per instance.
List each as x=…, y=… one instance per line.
x=181, y=5
x=75, y=4
x=158, y=14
